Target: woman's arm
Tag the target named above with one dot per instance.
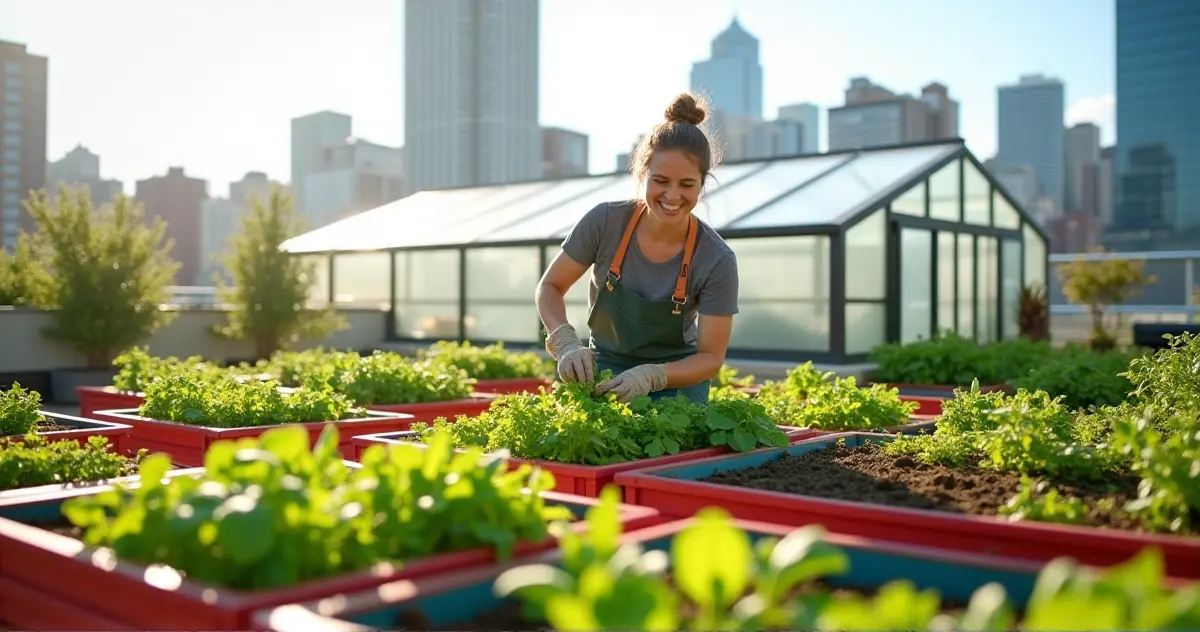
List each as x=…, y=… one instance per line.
x=554, y=285
x=711, y=344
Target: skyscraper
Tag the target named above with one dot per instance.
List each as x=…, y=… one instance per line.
x=1081, y=148
x=1157, y=167
x=809, y=117
x=731, y=78
x=471, y=92
x=177, y=198
x=312, y=134
x=1029, y=131
x=22, y=136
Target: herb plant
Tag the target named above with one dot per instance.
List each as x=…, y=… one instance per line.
x=772, y=584
x=231, y=403
x=269, y=512
x=573, y=425
x=136, y=368
x=492, y=362
x=728, y=385
x=385, y=378
x=846, y=406
x=784, y=400
x=20, y=411
x=37, y=460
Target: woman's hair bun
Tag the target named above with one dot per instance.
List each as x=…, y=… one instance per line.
x=685, y=109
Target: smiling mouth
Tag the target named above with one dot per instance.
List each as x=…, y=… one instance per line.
x=670, y=208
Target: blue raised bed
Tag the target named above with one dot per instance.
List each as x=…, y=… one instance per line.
x=676, y=491
x=453, y=600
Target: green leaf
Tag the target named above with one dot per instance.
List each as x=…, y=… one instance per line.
x=244, y=529
x=709, y=579
x=717, y=421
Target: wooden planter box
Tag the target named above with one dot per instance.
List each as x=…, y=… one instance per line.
x=429, y=411
x=453, y=600
x=118, y=434
x=676, y=491
x=583, y=480
x=50, y=581
x=186, y=443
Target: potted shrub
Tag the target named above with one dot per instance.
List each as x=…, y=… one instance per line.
x=494, y=368
x=270, y=289
x=1019, y=475
x=109, y=270
x=584, y=440
x=21, y=415
x=183, y=417
x=268, y=521
x=1033, y=313
x=764, y=577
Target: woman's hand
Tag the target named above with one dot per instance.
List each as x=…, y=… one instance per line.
x=576, y=362
x=640, y=380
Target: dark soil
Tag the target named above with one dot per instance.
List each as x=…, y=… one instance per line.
x=49, y=425
x=506, y=616
x=867, y=474
x=61, y=526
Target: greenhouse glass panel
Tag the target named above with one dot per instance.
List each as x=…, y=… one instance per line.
x=846, y=190
x=1006, y=215
x=562, y=218
x=944, y=203
x=916, y=289
x=866, y=326
x=987, y=271
x=500, y=286
x=737, y=198
x=977, y=192
x=1010, y=275
x=1035, y=257
x=384, y=227
x=482, y=229
x=427, y=294
x=947, y=260
x=966, y=286
x=783, y=298
x=452, y=226
x=318, y=291
x=362, y=279
x=912, y=201
x=866, y=250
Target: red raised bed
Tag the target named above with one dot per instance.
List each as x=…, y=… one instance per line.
x=26, y=493
x=66, y=585
x=513, y=385
x=584, y=480
x=84, y=429
x=186, y=443
x=93, y=398
x=428, y=411
x=676, y=491
x=930, y=397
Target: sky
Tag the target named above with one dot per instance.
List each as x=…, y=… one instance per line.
x=211, y=85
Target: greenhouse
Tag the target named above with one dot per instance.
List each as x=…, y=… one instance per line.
x=837, y=253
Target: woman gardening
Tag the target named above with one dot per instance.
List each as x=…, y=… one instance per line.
x=664, y=287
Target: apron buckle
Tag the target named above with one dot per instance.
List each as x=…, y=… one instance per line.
x=608, y=284
x=678, y=307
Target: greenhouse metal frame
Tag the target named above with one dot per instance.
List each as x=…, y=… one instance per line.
x=901, y=242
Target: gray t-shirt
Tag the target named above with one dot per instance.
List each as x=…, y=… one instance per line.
x=712, y=286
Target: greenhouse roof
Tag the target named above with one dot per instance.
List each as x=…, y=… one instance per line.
x=805, y=191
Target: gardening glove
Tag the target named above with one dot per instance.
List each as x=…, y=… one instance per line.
x=576, y=362
x=640, y=380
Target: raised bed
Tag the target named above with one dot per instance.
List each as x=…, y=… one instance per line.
x=429, y=411
x=74, y=489
x=186, y=443
x=677, y=491
x=930, y=397
x=583, y=480
x=512, y=385
x=66, y=585
x=453, y=601
x=93, y=398
x=80, y=430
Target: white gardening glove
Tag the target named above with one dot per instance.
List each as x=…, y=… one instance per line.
x=640, y=380
x=576, y=361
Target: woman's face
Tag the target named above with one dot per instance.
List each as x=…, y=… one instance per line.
x=673, y=183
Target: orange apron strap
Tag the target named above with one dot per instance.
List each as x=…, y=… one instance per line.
x=614, y=268
x=689, y=248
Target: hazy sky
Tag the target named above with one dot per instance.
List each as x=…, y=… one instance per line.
x=212, y=84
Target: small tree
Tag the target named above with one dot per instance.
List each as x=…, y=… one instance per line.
x=271, y=287
x=109, y=271
x=23, y=279
x=1098, y=285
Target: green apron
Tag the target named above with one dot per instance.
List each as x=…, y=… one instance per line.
x=628, y=330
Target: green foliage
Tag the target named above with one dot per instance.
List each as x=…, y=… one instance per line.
x=1171, y=376
x=270, y=512
x=572, y=425
x=40, y=461
x=1038, y=501
x=785, y=400
x=1097, y=285
x=20, y=411
x=774, y=584
x=232, y=403
x=1033, y=313
x=728, y=385
x=1163, y=448
x=1081, y=377
x=109, y=268
x=136, y=368
x=385, y=377
x=23, y=278
x=953, y=360
x=492, y=362
x=846, y=406
x=290, y=367
x=270, y=287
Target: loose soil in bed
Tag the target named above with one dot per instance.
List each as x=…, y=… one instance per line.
x=867, y=474
x=49, y=425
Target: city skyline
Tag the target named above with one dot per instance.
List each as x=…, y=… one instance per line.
x=254, y=83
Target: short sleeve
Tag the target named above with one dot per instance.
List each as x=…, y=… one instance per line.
x=719, y=295
x=583, y=242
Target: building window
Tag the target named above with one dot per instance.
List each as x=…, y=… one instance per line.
x=11, y=95
x=12, y=68
x=10, y=198
x=12, y=140
x=11, y=212
x=12, y=126
x=12, y=169
x=11, y=154
x=11, y=109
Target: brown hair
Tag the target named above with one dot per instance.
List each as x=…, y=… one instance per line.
x=679, y=131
